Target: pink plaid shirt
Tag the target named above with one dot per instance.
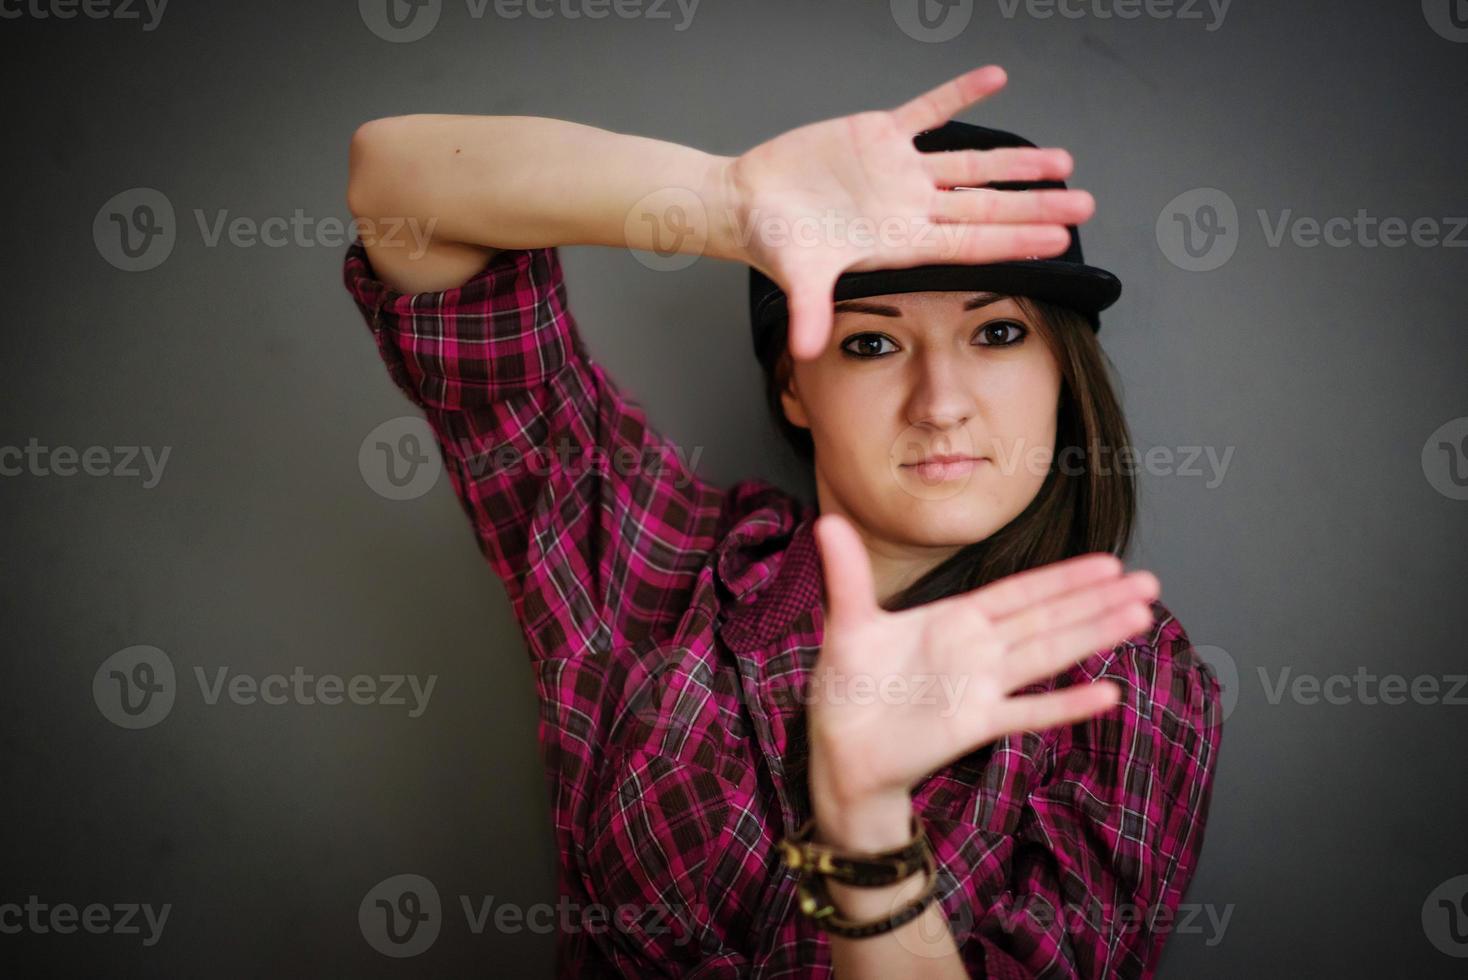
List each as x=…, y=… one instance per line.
x=670, y=624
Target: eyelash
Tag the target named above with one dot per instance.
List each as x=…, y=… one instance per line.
x=1020, y=327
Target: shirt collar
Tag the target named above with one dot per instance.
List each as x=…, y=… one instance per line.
x=768, y=564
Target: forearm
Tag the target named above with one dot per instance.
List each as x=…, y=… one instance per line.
x=923, y=947
x=530, y=182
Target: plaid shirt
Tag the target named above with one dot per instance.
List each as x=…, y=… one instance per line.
x=670, y=624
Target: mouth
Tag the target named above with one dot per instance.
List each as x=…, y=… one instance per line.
x=946, y=466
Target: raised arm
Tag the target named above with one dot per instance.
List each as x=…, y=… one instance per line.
x=851, y=193
x=596, y=524
x=467, y=185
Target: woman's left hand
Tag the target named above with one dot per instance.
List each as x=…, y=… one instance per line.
x=896, y=695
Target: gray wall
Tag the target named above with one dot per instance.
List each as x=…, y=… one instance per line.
x=1331, y=544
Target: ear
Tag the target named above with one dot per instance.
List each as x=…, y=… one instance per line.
x=790, y=394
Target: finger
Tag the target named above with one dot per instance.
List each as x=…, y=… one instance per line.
x=1024, y=589
x=1037, y=712
x=981, y=205
x=936, y=106
x=851, y=593
x=976, y=244
x=1076, y=606
x=810, y=304
x=1049, y=653
x=951, y=168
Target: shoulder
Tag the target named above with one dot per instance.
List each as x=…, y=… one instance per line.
x=1165, y=680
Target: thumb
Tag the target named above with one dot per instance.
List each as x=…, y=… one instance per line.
x=851, y=592
x=810, y=317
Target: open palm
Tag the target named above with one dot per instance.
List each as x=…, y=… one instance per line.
x=854, y=193
x=940, y=677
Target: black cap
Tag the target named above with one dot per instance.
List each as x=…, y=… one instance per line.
x=1063, y=279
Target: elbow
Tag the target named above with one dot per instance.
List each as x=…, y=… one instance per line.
x=364, y=166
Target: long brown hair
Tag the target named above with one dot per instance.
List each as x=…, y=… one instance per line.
x=1087, y=502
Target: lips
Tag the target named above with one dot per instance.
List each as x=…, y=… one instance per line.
x=944, y=458
x=944, y=466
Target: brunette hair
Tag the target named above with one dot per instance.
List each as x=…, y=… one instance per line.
x=1080, y=508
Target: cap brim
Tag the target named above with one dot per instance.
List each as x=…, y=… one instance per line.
x=1084, y=288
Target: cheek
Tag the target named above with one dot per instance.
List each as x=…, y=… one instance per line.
x=1021, y=406
x=848, y=417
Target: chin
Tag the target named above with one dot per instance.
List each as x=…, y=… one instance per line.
x=955, y=521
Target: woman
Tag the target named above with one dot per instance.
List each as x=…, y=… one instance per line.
x=946, y=670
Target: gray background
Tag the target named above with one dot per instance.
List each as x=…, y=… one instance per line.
x=1326, y=548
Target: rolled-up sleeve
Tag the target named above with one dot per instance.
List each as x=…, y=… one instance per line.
x=1087, y=878
x=595, y=523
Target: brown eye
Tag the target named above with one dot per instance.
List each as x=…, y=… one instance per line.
x=998, y=333
x=869, y=345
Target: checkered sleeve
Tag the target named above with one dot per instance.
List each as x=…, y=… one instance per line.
x=1090, y=883
x=593, y=521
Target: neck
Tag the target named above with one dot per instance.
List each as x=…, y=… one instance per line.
x=895, y=565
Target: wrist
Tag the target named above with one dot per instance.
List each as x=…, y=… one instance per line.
x=722, y=201
x=867, y=825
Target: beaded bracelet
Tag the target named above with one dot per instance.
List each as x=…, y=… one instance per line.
x=862, y=869
x=816, y=903
x=816, y=862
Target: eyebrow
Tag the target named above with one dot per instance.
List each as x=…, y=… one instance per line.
x=974, y=302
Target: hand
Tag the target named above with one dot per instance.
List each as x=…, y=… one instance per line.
x=868, y=751
x=854, y=193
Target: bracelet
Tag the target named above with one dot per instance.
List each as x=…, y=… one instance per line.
x=864, y=870
x=816, y=903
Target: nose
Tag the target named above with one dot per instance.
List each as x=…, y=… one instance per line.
x=942, y=395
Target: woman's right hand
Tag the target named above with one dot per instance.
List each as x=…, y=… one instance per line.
x=853, y=193
x=982, y=646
